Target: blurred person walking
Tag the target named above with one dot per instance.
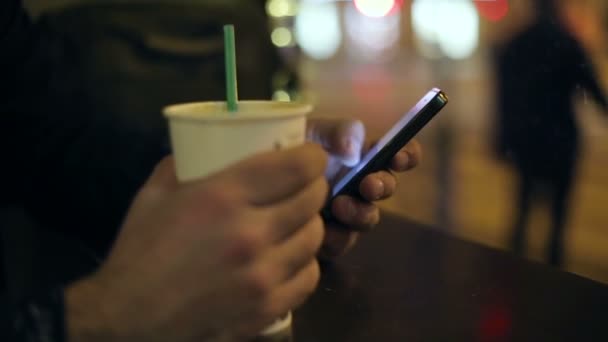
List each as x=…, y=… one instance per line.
x=538, y=73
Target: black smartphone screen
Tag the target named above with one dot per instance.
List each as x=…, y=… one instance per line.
x=378, y=157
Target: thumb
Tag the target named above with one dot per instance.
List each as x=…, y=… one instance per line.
x=163, y=178
x=342, y=138
x=161, y=182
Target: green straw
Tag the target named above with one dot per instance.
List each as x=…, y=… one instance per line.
x=230, y=61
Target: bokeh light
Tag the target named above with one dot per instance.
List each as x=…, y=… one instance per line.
x=423, y=20
x=281, y=8
x=494, y=10
x=317, y=29
x=281, y=96
x=375, y=8
x=282, y=37
x=372, y=38
x=451, y=26
x=459, y=28
x=372, y=86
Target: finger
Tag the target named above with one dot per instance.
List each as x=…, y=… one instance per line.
x=294, y=292
x=378, y=186
x=289, y=257
x=408, y=158
x=290, y=215
x=337, y=242
x=342, y=138
x=162, y=179
x=400, y=162
x=164, y=171
x=355, y=214
x=159, y=186
x=281, y=222
x=268, y=178
x=276, y=301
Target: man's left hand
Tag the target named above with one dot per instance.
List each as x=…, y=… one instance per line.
x=344, y=140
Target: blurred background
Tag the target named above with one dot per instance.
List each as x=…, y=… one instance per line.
x=372, y=60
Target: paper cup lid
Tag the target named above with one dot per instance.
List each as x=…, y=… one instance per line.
x=248, y=110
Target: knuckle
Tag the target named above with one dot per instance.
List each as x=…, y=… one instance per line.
x=298, y=168
x=220, y=198
x=259, y=162
x=258, y=283
x=309, y=163
x=245, y=246
x=371, y=219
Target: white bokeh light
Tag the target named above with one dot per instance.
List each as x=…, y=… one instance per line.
x=452, y=26
x=317, y=29
x=460, y=34
x=375, y=8
x=371, y=37
x=424, y=19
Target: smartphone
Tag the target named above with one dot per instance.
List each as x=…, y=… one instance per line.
x=381, y=154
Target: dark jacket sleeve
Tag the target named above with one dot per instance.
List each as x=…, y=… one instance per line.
x=40, y=317
x=35, y=319
x=55, y=160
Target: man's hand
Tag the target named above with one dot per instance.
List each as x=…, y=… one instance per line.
x=216, y=259
x=345, y=141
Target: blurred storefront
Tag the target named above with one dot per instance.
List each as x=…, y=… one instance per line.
x=373, y=59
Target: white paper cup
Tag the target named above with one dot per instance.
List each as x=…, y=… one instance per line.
x=206, y=138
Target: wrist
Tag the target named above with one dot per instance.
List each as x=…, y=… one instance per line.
x=87, y=313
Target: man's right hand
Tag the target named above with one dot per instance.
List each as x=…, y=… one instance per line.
x=215, y=259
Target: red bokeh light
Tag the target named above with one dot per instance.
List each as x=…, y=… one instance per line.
x=372, y=87
x=397, y=6
x=493, y=10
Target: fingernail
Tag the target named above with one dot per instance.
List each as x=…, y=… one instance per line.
x=356, y=151
x=346, y=144
x=351, y=150
x=380, y=192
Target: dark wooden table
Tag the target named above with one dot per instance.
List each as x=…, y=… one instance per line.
x=406, y=282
